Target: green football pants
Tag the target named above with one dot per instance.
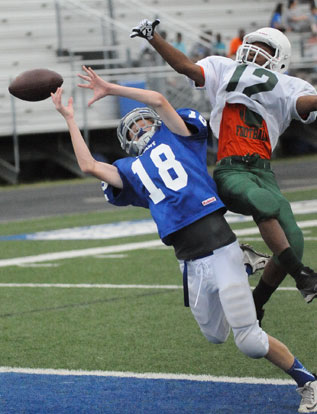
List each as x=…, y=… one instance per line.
x=250, y=190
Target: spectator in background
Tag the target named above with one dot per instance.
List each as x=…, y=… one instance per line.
x=148, y=56
x=235, y=43
x=219, y=48
x=179, y=44
x=313, y=19
x=163, y=34
x=295, y=20
x=310, y=44
x=276, y=20
x=201, y=50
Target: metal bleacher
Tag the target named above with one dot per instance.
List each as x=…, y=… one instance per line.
x=64, y=34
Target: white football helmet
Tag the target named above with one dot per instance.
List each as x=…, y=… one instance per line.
x=140, y=136
x=272, y=37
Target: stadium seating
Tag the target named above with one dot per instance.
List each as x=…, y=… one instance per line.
x=63, y=34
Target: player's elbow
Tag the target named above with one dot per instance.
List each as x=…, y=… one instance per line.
x=306, y=104
x=87, y=167
x=158, y=100
x=192, y=71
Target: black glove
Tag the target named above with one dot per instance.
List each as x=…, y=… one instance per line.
x=145, y=29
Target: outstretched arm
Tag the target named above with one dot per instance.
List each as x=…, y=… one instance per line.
x=165, y=110
x=175, y=58
x=86, y=162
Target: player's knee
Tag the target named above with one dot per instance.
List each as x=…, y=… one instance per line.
x=263, y=204
x=252, y=341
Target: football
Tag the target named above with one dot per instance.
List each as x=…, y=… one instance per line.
x=35, y=85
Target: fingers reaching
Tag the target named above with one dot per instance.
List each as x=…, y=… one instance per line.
x=56, y=97
x=89, y=78
x=91, y=72
x=66, y=111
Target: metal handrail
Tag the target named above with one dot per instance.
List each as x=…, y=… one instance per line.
x=174, y=24
x=191, y=32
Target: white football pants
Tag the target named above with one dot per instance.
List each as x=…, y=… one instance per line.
x=220, y=297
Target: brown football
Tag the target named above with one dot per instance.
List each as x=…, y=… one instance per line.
x=35, y=85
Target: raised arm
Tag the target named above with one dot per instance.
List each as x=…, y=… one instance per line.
x=161, y=105
x=175, y=58
x=104, y=171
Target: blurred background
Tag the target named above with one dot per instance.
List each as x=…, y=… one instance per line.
x=62, y=35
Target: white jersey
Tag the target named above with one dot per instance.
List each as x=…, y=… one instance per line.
x=271, y=94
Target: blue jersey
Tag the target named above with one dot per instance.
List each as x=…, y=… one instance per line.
x=170, y=177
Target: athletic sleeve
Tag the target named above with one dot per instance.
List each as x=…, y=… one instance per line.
x=306, y=90
x=125, y=196
x=213, y=68
x=195, y=122
x=208, y=70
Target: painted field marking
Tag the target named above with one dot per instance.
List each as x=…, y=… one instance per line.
x=89, y=286
x=38, y=265
x=104, y=286
x=136, y=227
x=70, y=254
x=149, y=375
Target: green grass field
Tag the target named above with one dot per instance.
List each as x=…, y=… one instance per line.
x=131, y=329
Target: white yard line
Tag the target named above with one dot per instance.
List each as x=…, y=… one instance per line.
x=104, y=286
x=117, y=249
x=150, y=375
x=135, y=227
x=89, y=286
x=254, y=230
x=69, y=254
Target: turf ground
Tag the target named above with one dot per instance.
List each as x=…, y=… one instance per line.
x=82, y=334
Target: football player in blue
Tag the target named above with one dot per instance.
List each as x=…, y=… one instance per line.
x=167, y=173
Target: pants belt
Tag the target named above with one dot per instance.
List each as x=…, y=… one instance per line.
x=202, y=256
x=253, y=160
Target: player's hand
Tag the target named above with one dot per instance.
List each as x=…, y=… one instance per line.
x=145, y=29
x=95, y=83
x=66, y=111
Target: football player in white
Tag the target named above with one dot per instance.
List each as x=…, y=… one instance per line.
x=252, y=103
x=167, y=173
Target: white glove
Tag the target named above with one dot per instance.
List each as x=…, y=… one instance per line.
x=145, y=29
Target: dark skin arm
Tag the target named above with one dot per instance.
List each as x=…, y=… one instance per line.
x=306, y=104
x=177, y=60
x=183, y=65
